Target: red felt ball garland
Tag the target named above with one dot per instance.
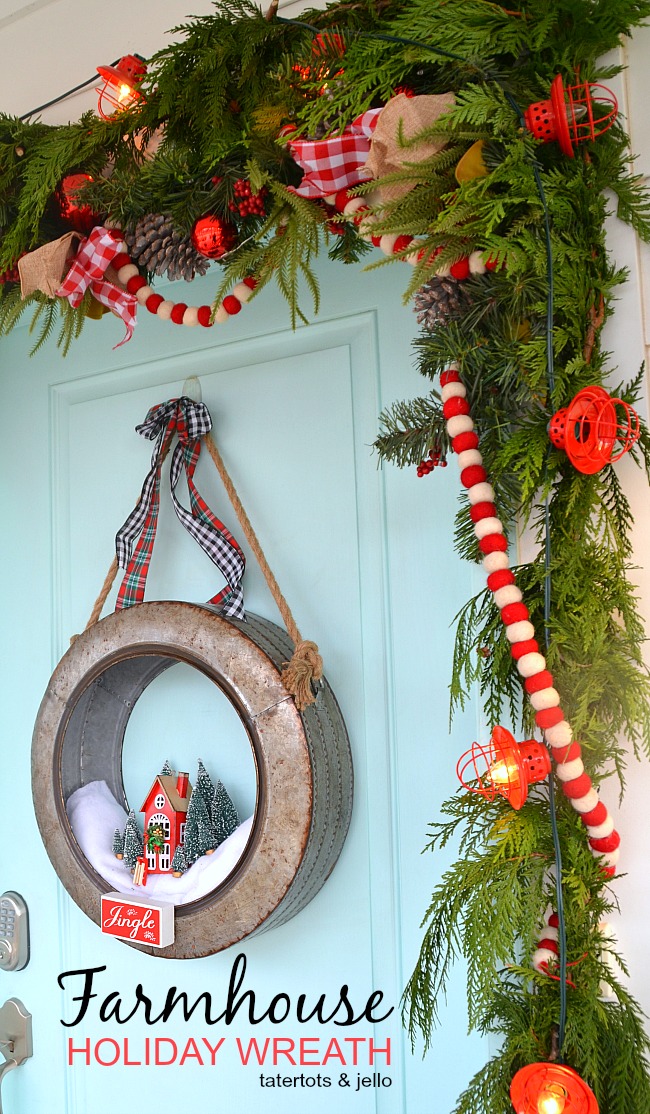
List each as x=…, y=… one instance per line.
x=178, y=312
x=358, y=210
x=531, y=664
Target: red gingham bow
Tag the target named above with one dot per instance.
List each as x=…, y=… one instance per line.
x=88, y=270
x=334, y=164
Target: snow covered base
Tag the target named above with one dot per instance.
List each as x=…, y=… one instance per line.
x=94, y=815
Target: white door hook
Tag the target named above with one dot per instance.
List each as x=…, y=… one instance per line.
x=192, y=389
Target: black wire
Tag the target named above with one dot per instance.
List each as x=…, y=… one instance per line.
x=63, y=96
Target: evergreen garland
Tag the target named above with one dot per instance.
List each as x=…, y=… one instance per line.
x=221, y=94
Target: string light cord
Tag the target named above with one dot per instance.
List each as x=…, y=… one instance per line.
x=63, y=96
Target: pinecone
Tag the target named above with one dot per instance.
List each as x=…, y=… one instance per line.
x=439, y=300
x=157, y=246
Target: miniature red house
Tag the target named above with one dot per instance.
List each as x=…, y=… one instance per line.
x=165, y=812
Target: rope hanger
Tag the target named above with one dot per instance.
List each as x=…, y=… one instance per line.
x=305, y=666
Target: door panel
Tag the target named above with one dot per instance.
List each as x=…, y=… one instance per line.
x=365, y=559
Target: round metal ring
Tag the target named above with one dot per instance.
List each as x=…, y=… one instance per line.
x=303, y=762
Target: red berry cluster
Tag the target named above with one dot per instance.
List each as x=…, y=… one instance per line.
x=245, y=202
x=12, y=274
x=434, y=460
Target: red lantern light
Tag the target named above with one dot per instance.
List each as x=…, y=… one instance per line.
x=504, y=767
x=73, y=211
x=551, y=1089
x=588, y=429
x=120, y=85
x=569, y=117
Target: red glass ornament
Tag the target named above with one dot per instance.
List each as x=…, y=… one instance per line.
x=213, y=236
x=551, y=1089
x=73, y=211
x=589, y=429
x=572, y=115
x=504, y=767
x=120, y=85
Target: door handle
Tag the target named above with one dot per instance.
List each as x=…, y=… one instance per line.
x=15, y=1037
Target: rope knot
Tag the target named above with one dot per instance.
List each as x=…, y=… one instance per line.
x=306, y=665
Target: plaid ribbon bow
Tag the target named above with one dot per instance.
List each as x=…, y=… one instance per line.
x=335, y=164
x=88, y=270
x=190, y=421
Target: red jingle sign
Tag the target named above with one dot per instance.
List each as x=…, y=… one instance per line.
x=140, y=922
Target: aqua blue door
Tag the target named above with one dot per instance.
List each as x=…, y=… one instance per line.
x=364, y=556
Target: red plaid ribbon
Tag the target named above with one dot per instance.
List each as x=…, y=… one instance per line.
x=190, y=421
x=88, y=271
x=334, y=164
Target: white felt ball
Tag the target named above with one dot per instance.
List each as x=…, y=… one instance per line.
x=476, y=264
x=492, y=562
x=468, y=457
x=510, y=593
x=560, y=734
x=481, y=493
x=387, y=243
x=353, y=205
x=569, y=771
x=487, y=526
x=191, y=316
x=221, y=315
x=460, y=423
x=129, y=270
x=601, y=831
x=542, y=957
x=143, y=293
x=453, y=390
x=520, y=632
x=586, y=803
x=544, y=698
x=530, y=664
x=242, y=292
x=611, y=858
x=165, y=310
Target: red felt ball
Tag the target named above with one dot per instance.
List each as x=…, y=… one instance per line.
x=607, y=844
x=475, y=474
x=121, y=260
x=577, y=788
x=526, y=646
x=501, y=577
x=554, y=920
x=153, y=301
x=598, y=815
x=454, y=406
x=135, y=283
x=213, y=236
x=177, y=313
x=486, y=510
x=204, y=316
x=550, y=945
x=402, y=242
x=463, y=441
x=493, y=543
x=491, y=264
x=460, y=270
x=250, y=282
x=609, y=871
x=567, y=754
x=450, y=376
x=514, y=613
x=376, y=240
x=541, y=680
x=341, y=200
x=231, y=304
x=548, y=717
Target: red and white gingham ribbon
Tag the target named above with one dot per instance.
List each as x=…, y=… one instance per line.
x=88, y=271
x=335, y=164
